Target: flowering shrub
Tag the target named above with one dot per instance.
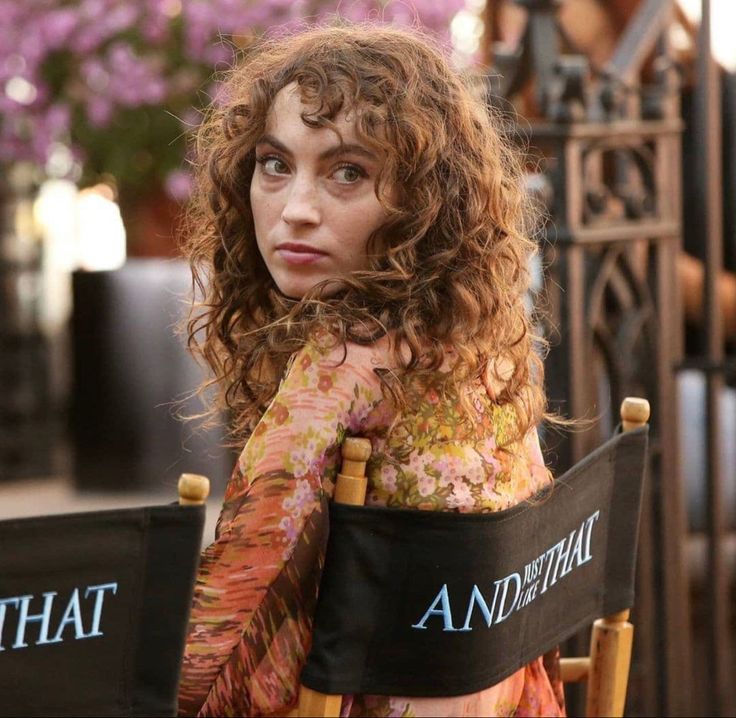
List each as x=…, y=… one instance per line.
x=114, y=85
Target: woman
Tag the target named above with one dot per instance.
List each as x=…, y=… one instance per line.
x=359, y=238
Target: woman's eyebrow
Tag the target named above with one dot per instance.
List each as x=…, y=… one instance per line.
x=336, y=150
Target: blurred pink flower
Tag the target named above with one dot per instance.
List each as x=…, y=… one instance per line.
x=57, y=27
x=99, y=110
x=89, y=62
x=178, y=185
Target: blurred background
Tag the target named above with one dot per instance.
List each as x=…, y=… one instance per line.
x=627, y=112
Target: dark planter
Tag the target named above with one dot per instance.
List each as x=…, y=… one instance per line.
x=131, y=376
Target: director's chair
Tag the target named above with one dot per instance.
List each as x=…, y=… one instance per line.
x=94, y=608
x=417, y=603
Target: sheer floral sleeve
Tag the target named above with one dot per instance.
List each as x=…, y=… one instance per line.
x=257, y=584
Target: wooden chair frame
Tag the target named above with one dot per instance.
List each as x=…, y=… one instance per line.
x=605, y=669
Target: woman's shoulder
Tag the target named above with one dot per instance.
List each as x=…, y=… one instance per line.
x=326, y=363
x=327, y=352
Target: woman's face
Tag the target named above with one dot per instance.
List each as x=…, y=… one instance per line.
x=313, y=199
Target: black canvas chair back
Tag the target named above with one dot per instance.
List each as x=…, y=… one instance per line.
x=417, y=603
x=94, y=609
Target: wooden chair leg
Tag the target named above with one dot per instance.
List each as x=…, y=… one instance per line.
x=610, y=658
x=319, y=705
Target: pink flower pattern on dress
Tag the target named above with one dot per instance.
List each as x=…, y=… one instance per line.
x=460, y=497
x=426, y=485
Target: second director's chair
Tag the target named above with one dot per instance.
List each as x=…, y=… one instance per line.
x=416, y=603
x=94, y=608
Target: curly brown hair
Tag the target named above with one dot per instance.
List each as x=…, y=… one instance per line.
x=449, y=268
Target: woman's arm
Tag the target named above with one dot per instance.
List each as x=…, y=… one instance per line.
x=257, y=584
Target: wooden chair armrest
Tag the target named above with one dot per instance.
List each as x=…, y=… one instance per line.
x=574, y=670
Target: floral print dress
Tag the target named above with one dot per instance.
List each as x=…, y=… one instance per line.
x=254, y=599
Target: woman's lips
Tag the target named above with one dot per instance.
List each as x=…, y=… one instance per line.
x=299, y=253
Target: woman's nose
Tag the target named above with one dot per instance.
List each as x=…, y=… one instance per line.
x=302, y=203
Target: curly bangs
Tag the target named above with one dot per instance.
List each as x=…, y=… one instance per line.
x=447, y=270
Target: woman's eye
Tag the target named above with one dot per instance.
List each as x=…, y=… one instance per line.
x=349, y=174
x=273, y=165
